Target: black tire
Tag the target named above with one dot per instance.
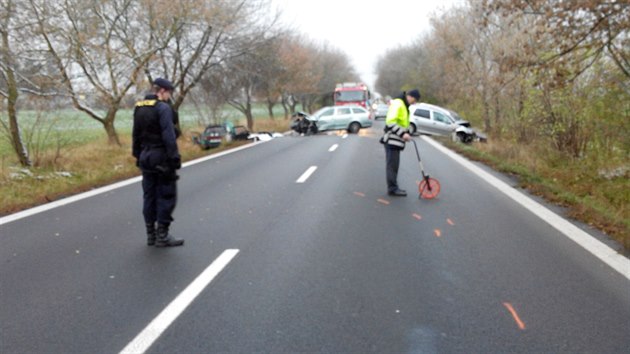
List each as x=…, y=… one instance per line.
x=465, y=138
x=412, y=129
x=312, y=130
x=354, y=128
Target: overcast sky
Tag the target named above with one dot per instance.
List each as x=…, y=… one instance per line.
x=361, y=29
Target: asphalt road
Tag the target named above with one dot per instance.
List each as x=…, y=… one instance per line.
x=332, y=264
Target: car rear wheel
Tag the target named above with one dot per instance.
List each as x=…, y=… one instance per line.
x=354, y=128
x=412, y=129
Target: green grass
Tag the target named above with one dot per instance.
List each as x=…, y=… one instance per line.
x=43, y=131
x=93, y=164
x=67, y=140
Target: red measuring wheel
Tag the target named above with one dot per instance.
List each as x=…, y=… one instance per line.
x=429, y=188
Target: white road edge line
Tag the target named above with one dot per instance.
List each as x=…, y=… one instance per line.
x=582, y=238
x=333, y=148
x=45, y=207
x=155, y=328
x=306, y=174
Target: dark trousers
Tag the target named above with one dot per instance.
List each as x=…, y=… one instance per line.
x=160, y=197
x=392, y=158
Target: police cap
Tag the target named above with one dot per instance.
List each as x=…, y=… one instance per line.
x=414, y=93
x=163, y=83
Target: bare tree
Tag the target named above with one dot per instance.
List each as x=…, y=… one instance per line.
x=333, y=67
x=22, y=70
x=237, y=82
x=395, y=70
x=208, y=34
x=270, y=73
x=101, y=47
x=8, y=67
x=577, y=32
x=299, y=74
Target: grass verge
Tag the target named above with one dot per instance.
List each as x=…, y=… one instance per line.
x=590, y=198
x=78, y=169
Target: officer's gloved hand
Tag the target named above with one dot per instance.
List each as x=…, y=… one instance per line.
x=176, y=164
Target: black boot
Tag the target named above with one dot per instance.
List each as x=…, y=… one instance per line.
x=166, y=240
x=151, y=234
x=398, y=193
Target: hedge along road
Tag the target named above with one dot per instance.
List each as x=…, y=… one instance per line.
x=329, y=264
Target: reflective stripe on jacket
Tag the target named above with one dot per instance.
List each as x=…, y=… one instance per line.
x=397, y=123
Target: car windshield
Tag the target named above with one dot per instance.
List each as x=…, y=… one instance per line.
x=454, y=115
x=214, y=130
x=322, y=113
x=350, y=96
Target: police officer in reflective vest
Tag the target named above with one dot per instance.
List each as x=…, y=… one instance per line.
x=396, y=135
x=156, y=153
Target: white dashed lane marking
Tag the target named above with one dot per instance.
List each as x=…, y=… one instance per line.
x=155, y=328
x=306, y=174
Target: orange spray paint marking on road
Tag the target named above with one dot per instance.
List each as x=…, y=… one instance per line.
x=520, y=323
x=359, y=194
x=383, y=201
x=450, y=222
x=417, y=216
x=438, y=233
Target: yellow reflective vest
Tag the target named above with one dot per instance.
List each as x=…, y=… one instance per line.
x=396, y=123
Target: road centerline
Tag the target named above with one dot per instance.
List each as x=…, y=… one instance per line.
x=159, y=324
x=305, y=176
x=333, y=148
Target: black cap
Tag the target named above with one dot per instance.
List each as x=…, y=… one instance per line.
x=414, y=93
x=163, y=83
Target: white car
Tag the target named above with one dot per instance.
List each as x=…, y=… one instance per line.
x=350, y=118
x=380, y=110
x=434, y=120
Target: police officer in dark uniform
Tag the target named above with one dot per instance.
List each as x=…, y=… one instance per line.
x=156, y=153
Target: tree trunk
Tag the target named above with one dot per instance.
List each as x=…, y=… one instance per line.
x=14, y=128
x=497, y=114
x=178, y=102
x=110, y=129
x=285, y=107
x=293, y=104
x=250, y=118
x=16, y=136
x=486, y=111
x=248, y=113
x=270, y=104
x=305, y=103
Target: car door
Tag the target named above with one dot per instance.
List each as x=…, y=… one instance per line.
x=342, y=117
x=422, y=120
x=442, y=125
x=325, y=120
